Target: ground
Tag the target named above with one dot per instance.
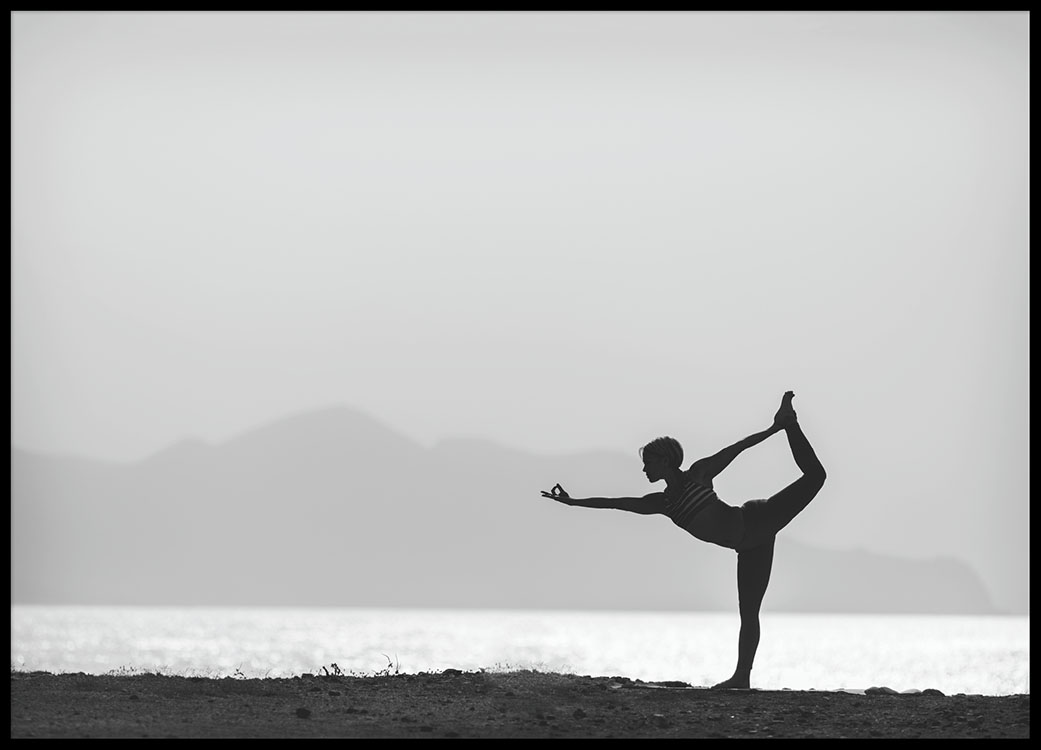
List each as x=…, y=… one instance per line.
x=483, y=704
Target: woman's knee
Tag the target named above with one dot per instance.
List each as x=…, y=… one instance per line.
x=748, y=608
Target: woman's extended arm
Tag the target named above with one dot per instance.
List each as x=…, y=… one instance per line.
x=646, y=505
x=709, y=467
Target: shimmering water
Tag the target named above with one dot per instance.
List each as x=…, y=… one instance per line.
x=955, y=654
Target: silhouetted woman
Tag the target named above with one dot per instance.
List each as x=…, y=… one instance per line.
x=691, y=502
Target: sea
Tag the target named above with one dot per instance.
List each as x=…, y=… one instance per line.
x=974, y=655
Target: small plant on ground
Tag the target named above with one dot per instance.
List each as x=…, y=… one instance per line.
x=392, y=668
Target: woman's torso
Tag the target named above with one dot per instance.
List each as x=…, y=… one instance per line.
x=696, y=509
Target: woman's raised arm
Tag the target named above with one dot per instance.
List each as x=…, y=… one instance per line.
x=709, y=467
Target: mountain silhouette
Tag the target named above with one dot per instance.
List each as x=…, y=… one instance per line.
x=333, y=508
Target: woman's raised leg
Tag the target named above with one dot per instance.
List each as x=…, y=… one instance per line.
x=780, y=509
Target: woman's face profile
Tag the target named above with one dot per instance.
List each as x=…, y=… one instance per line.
x=653, y=466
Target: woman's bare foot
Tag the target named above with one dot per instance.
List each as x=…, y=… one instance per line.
x=786, y=414
x=734, y=683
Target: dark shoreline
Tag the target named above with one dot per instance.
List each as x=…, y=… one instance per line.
x=460, y=704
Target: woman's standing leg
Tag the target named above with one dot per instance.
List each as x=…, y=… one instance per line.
x=753, y=575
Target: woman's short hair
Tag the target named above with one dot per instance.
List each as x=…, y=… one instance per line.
x=666, y=447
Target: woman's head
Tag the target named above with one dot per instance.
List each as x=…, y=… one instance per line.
x=661, y=455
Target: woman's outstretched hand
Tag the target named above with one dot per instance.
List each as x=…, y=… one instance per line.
x=556, y=492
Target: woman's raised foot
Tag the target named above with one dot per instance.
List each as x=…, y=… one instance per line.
x=786, y=414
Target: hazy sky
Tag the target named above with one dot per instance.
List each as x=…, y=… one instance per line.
x=560, y=231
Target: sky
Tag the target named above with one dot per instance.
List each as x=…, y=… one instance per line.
x=559, y=231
